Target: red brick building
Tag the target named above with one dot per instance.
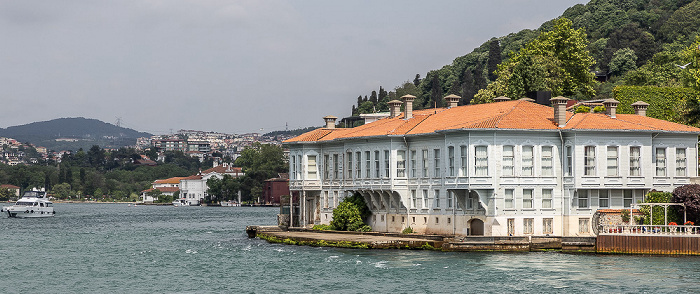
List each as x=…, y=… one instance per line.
x=274, y=188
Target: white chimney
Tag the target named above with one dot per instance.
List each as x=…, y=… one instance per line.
x=452, y=100
x=640, y=108
x=611, y=107
x=408, y=106
x=501, y=99
x=330, y=121
x=394, y=108
x=559, y=105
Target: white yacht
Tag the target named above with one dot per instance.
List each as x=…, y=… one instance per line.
x=32, y=204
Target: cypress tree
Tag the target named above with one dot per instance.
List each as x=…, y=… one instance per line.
x=494, y=58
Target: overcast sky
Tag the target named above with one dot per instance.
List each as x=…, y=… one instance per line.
x=231, y=66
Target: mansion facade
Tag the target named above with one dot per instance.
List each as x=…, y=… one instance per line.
x=510, y=168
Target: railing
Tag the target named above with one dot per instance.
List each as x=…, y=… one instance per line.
x=650, y=229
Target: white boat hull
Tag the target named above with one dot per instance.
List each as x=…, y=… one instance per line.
x=28, y=212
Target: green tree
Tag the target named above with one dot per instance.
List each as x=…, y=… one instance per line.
x=494, y=58
x=558, y=59
x=259, y=163
x=222, y=189
x=350, y=215
x=5, y=194
x=623, y=61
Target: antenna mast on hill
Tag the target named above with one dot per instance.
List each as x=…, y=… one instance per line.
x=119, y=121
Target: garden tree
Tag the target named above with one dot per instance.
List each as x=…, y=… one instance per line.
x=5, y=194
x=372, y=97
x=494, y=58
x=96, y=157
x=365, y=107
x=350, y=215
x=660, y=71
x=381, y=95
x=222, y=189
x=259, y=163
x=623, y=61
x=690, y=196
x=416, y=80
x=435, y=92
x=558, y=59
x=658, y=211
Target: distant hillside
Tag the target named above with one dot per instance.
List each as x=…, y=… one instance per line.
x=73, y=133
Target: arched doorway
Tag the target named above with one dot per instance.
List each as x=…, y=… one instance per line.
x=476, y=227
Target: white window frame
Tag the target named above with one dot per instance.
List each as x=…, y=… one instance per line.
x=463, y=160
x=528, y=197
x=508, y=160
x=312, y=167
x=681, y=162
x=528, y=226
x=604, y=198
x=368, y=164
x=509, y=196
x=481, y=161
x=527, y=161
x=436, y=195
x=386, y=163
x=589, y=164
x=377, y=168
x=660, y=156
x=451, y=160
x=569, y=161
x=547, y=161
x=400, y=163
x=413, y=155
x=612, y=162
x=348, y=169
x=583, y=199
x=358, y=165
x=547, y=226
x=437, y=153
x=547, y=198
x=635, y=161
x=424, y=165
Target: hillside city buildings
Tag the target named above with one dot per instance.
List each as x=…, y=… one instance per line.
x=510, y=168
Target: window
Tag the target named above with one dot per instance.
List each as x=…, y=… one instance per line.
x=612, y=161
x=583, y=199
x=414, y=201
x=358, y=162
x=527, y=226
x=376, y=165
x=437, y=198
x=508, y=156
x=527, y=198
x=368, y=164
x=425, y=199
x=450, y=194
x=660, y=162
x=569, y=162
x=589, y=161
x=326, y=167
x=401, y=163
x=463, y=161
x=386, y=163
x=425, y=163
x=635, y=161
x=299, y=171
x=335, y=199
x=680, y=162
x=451, y=161
x=527, y=160
x=547, y=198
x=348, y=169
x=325, y=199
x=292, y=167
x=547, y=226
x=336, y=170
x=481, y=161
x=583, y=224
x=413, y=163
x=509, y=198
x=436, y=163
x=311, y=167
x=511, y=226
x=547, y=168
x=603, y=199
x=628, y=198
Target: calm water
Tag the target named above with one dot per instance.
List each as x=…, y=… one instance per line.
x=111, y=248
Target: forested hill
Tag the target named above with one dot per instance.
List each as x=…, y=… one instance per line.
x=85, y=132
x=623, y=37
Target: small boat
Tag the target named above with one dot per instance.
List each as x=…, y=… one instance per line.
x=32, y=204
x=181, y=202
x=230, y=203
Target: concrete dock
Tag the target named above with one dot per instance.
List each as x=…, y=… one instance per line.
x=376, y=240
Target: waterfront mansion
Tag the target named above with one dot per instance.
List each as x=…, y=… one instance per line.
x=509, y=168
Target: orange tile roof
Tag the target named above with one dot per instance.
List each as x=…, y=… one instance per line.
x=511, y=115
x=223, y=170
x=175, y=180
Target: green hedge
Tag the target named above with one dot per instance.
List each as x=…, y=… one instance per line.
x=665, y=103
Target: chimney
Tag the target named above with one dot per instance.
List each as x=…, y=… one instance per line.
x=501, y=99
x=640, y=108
x=330, y=121
x=408, y=106
x=452, y=100
x=610, y=107
x=559, y=105
x=394, y=108
x=528, y=99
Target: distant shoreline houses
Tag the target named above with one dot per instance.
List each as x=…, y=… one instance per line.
x=509, y=168
x=192, y=189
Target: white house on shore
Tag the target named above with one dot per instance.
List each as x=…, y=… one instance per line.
x=193, y=189
x=507, y=168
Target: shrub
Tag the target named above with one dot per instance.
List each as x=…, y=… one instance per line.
x=658, y=212
x=599, y=109
x=690, y=196
x=625, y=215
x=349, y=215
x=322, y=228
x=407, y=230
x=583, y=109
